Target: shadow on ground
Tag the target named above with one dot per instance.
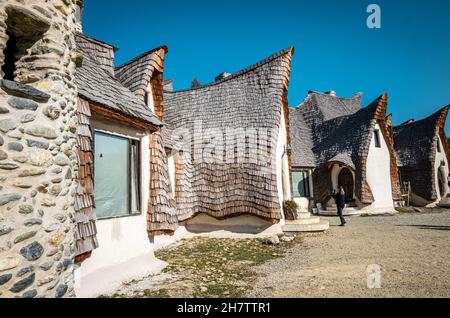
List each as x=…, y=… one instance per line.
x=430, y=227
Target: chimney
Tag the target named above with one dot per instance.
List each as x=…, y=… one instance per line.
x=168, y=85
x=331, y=93
x=79, y=15
x=222, y=76
x=409, y=121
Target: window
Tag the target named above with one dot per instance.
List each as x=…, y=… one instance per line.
x=148, y=99
x=438, y=146
x=300, y=184
x=22, y=38
x=116, y=175
x=377, y=138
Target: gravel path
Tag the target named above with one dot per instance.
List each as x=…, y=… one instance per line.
x=413, y=251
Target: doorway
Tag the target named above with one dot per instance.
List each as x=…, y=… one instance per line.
x=345, y=180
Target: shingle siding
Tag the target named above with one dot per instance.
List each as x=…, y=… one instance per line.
x=415, y=145
x=252, y=98
x=327, y=129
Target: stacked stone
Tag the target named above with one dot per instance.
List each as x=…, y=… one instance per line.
x=38, y=162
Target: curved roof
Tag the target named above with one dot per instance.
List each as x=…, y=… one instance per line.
x=416, y=145
x=290, y=50
x=97, y=85
x=301, y=140
x=137, y=73
x=248, y=103
x=316, y=114
x=336, y=130
x=344, y=136
x=320, y=107
x=415, y=140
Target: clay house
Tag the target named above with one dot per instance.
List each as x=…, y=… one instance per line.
x=336, y=142
x=423, y=158
x=38, y=161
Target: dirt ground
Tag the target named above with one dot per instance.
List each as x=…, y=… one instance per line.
x=412, y=250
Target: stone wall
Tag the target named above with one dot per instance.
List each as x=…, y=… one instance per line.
x=38, y=162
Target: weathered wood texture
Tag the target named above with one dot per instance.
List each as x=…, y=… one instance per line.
x=100, y=52
x=144, y=71
x=248, y=103
x=162, y=216
x=97, y=85
x=85, y=218
x=338, y=131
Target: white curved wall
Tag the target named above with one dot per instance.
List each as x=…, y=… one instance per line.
x=440, y=156
x=235, y=227
x=282, y=166
x=378, y=169
x=125, y=252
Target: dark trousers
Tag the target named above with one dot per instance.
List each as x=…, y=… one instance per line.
x=340, y=211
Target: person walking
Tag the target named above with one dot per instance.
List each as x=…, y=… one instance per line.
x=339, y=198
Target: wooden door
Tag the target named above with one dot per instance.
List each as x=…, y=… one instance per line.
x=345, y=180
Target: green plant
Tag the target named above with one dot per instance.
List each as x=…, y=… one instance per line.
x=290, y=209
x=195, y=83
x=291, y=204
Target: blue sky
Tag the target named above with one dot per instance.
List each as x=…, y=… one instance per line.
x=409, y=57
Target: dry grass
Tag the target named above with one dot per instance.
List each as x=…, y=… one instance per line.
x=205, y=267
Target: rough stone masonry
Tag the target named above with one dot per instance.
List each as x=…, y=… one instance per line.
x=38, y=161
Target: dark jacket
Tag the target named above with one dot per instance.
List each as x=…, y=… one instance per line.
x=339, y=199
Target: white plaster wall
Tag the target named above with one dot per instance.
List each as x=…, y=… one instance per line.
x=237, y=227
x=125, y=252
x=171, y=164
x=379, y=176
x=150, y=101
x=440, y=156
x=303, y=203
x=123, y=238
x=282, y=166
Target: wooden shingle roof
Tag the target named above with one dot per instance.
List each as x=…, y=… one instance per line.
x=137, y=73
x=253, y=98
x=415, y=145
x=337, y=130
x=318, y=113
x=301, y=140
x=96, y=84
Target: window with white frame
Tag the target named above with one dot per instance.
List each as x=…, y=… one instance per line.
x=300, y=184
x=116, y=175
